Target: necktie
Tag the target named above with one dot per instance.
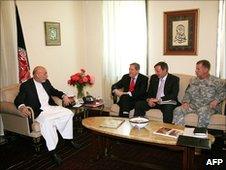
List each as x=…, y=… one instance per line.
x=160, y=89
x=132, y=85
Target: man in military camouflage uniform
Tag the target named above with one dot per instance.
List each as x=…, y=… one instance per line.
x=203, y=96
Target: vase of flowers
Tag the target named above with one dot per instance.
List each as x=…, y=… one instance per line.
x=80, y=93
x=80, y=80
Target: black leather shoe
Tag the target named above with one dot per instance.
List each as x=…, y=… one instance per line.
x=57, y=159
x=74, y=144
x=2, y=140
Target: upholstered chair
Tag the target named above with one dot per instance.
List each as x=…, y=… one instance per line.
x=13, y=121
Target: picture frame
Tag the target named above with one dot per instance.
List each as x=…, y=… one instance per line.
x=180, y=32
x=52, y=33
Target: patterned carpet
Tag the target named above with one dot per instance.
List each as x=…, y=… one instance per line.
x=19, y=153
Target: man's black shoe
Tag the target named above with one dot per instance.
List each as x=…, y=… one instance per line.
x=74, y=144
x=2, y=140
x=56, y=159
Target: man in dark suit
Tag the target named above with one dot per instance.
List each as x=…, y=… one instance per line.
x=36, y=93
x=163, y=86
x=133, y=88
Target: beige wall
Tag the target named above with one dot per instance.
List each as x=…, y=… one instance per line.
x=81, y=33
x=92, y=16
x=207, y=34
x=60, y=61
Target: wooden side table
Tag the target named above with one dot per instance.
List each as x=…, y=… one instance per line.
x=88, y=108
x=97, y=105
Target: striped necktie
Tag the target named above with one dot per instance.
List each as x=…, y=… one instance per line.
x=160, y=88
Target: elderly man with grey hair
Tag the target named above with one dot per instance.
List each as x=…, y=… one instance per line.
x=36, y=93
x=130, y=89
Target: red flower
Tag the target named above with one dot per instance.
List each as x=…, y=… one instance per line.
x=85, y=79
x=91, y=80
x=74, y=78
x=81, y=79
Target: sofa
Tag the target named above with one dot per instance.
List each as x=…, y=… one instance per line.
x=13, y=121
x=217, y=121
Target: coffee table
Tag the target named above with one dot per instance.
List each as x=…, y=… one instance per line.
x=102, y=136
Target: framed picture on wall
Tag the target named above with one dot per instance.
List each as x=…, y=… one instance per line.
x=52, y=33
x=180, y=32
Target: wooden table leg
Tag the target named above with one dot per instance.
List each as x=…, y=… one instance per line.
x=191, y=158
x=188, y=158
x=108, y=147
x=98, y=146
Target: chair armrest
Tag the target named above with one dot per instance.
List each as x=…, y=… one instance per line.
x=33, y=125
x=13, y=120
x=9, y=108
x=115, y=99
x=32, y=113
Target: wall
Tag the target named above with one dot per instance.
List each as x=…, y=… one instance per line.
x=81, y=39
x=207, y=35
x=81, y=33
x=60, y=61
x=92, y=16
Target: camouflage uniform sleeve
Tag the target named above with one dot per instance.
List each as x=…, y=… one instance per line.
x=186, y=98
x=187, y=95
x=220, y=91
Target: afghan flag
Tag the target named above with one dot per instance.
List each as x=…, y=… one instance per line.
x=23, y=63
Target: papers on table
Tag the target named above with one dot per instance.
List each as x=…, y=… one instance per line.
x=173, y=102
x=94, y=104
x=77, y=105
x=197, y=134
x=165, y=131
x=113, y=123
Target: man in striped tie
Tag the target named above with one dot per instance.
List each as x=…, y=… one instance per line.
x=130, y=89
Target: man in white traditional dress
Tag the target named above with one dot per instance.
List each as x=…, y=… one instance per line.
x=36, y=93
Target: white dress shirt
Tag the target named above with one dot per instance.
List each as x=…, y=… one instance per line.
x=42, y=95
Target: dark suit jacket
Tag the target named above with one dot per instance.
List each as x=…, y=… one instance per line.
x=28, y=95
x=140, y=86
x=171, y=87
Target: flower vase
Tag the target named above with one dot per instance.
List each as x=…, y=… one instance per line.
x=80, y=93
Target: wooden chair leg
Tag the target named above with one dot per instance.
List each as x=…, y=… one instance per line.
x=37, y=143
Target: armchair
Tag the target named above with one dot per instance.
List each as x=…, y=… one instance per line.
x=13, y=121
